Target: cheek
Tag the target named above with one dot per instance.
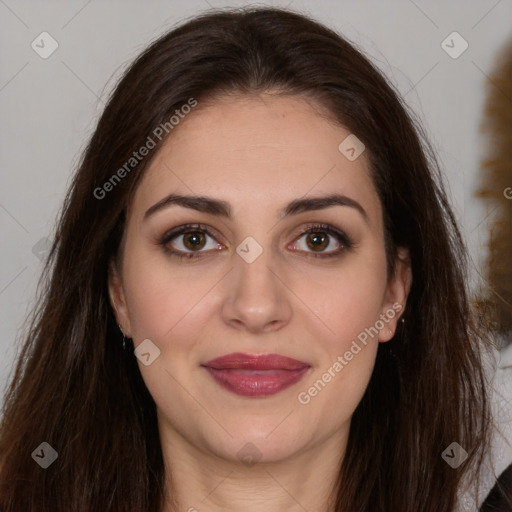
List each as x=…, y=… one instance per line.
x=160, y=298
x=347, y=300
x=349, y=307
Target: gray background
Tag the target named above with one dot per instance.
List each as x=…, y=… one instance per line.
x=50, y=106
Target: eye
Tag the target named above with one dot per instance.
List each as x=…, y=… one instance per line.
x=190, y=240
x=319, y=237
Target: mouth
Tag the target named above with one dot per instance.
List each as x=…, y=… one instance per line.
x=256, y=375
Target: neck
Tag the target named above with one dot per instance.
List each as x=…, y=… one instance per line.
x=199, y=480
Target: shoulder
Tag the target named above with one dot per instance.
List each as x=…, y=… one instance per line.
x=501, y=448
x=498, y=459
x=497, y=498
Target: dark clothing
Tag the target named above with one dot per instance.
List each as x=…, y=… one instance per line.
x=496, y=500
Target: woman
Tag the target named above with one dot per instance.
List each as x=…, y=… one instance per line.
x=256, y=296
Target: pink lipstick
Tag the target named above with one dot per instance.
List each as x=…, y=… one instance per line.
x=256, y=375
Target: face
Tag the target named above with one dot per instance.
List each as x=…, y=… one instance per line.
x=265, y=272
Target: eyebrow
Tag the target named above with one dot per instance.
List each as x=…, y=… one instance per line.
x=222, y=208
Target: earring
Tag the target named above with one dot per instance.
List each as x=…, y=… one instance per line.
x=124, y=339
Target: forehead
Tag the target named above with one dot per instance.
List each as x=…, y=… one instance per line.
x=256, y=152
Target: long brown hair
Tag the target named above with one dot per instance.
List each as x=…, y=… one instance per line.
x=75, y=389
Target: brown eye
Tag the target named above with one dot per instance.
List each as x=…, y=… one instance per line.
x=194, y=240
x=189, y=241
x=323, y=241
x=317, y=241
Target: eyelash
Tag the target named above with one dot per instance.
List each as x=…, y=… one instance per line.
x=345, y=242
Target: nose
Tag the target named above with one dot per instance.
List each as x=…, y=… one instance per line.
x=257, y=298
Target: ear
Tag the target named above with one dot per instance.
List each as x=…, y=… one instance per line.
x=117, y=298
x=396, y=295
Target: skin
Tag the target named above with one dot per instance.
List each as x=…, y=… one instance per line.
x=258, y=154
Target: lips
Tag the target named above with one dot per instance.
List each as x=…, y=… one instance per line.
x=255, y=362
x=256, y=375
